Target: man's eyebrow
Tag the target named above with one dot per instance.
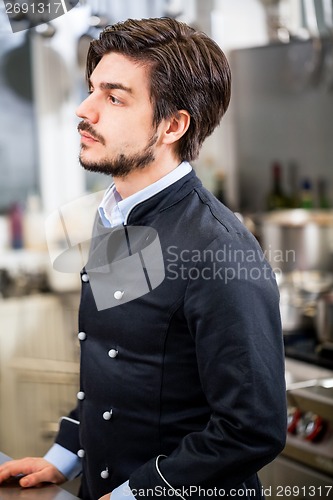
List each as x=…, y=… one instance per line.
x=112, y=86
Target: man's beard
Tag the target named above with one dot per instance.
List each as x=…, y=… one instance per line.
x=123, y=164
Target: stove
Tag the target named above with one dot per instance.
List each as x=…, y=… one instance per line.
x=303, y=345
x=310, y=424
x=304, y=469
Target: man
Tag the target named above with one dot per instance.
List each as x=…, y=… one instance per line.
x=182, y=388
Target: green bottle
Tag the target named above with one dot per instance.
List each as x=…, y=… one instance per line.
x=294, y=195
x=323, y=201
x=306, y=194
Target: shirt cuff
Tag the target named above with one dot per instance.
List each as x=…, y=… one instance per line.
x=121, y=492
x=64, y=460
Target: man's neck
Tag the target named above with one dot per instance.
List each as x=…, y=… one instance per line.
x=141, y=178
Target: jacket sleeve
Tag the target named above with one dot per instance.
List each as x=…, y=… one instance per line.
x=68, y=463
x=68, y=434
x=232, y=310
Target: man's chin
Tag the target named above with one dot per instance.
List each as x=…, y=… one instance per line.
x=120, y=166
x=93, y=166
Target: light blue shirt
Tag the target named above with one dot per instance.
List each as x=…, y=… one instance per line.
x=114, y=211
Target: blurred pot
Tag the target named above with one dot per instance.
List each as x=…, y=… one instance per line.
x=292, y=309
x=324, y=318
x=297, y=239
x=299, y=292
x=5, y=283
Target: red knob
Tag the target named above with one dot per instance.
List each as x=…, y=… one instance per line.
x=293, y=417
x=311, y=426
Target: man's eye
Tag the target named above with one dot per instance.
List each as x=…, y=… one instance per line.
x=114, y=100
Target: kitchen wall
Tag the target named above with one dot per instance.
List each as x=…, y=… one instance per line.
x=276, y=111
x=234, y=25
x=283, y=110
x=48, y=119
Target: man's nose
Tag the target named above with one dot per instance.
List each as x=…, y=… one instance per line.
x=87, y=110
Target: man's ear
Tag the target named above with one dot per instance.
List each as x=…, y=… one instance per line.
x=176, y=127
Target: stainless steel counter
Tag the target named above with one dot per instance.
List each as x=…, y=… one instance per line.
x=12, y=490
x=299, y=371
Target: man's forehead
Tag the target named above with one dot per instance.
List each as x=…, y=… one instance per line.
x=118, y=71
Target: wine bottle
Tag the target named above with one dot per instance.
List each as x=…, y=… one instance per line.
x=219, y=190
x=306, y=194
x=294, y=195
x=276, y=198
x=323, y=200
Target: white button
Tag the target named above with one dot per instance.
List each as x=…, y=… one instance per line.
x=81, y=453
x=107, y=415
x=80, y=395
x=104, y=474
x=118, y=295
x=85, y=278
x=82, y=336
x=113, y=353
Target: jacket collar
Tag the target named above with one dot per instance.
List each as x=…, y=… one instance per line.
x=163, y=199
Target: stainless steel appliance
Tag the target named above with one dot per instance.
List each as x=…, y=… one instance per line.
x=297, y=240
x=310, y=424
x=324, y=319
x=280, y=113
x=304, y=469
x=299, y=246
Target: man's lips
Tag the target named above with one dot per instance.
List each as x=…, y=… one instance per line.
x=87, y=137
x=88, y=134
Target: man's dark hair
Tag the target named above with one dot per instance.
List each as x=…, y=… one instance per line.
x=188, y=71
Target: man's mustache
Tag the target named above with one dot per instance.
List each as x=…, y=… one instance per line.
x=84, y=126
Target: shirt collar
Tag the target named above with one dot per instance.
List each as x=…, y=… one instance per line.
x=114, y=211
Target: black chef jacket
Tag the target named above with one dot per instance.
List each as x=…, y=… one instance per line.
x=194, y=387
